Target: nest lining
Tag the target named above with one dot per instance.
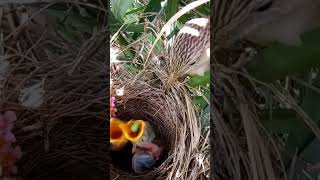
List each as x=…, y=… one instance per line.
x=158, y=94
x=65, y=137
x=149, y=104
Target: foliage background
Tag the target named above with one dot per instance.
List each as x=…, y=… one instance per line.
x=137, y=22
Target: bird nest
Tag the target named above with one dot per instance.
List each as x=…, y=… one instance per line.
x=173, y=117
x=58, y=91
x=238, y=134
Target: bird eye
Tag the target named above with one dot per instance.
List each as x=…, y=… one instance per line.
x=265, y=6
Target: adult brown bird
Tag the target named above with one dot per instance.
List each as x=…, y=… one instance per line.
x=190, y=51
x=259, y=21
x=263, y=21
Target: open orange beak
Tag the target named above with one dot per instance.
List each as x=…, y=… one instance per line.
x=117, y=136
x=133, y=136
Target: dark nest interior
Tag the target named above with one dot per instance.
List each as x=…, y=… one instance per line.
x=143, y=102
x=61, y=126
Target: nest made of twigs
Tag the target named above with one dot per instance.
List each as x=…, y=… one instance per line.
x=170, y=110
x=65, y=135
x=242, y=147
x=173, y=118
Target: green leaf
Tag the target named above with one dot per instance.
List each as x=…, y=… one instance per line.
x=201, y=82
x=158, y=46
x=309, y=157
x=201, y=100
x=288, y=122
x=279, y=60
x=123, y=42
x=204, y=9
x=311, y=153
x=153, y=6
x=186, y=17
x=196, y=80
x=128, y=28
x=136, y=10
x=131, y=69
x=120, y=7
x=171, y=8
x=278, y=120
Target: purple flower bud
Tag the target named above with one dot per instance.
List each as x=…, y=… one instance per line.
x=10, y=116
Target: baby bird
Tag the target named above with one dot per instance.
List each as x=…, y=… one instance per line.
x=117, y=137
x=145, y=157
x=138, y=131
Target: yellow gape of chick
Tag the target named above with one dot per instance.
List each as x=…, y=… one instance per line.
x=136, y=131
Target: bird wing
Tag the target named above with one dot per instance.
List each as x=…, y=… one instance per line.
x=190, y=43
x=263, y=20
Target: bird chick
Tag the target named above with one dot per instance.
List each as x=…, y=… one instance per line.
x=138, y=131
x=145, y=157
x=117, y=137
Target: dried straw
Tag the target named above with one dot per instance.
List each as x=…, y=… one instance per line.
x=172, y=113
x=65, y=136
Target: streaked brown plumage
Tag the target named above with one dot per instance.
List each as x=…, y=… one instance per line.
x=189, y=46
x=260, y=21
x=263, y=21
x=229, y=17
x=234, y=20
